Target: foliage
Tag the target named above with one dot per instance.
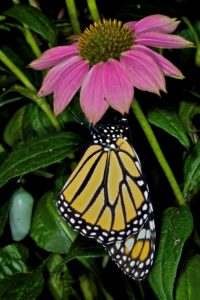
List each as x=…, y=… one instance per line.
x=39, y=152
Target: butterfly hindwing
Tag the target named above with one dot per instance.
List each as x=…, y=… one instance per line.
x=134, y=256
x=106, y=197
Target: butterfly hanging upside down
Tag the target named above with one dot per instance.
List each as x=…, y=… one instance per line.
x=107, y=198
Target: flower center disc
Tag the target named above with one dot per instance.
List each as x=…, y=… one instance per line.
x=105, y=39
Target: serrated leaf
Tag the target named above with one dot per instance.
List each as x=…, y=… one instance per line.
x=49, y=230
x=192, y=172
x=37, y=153
x=22, y=286
x=4, y=211
x=35, y=19
x=13, y=260
x=188, y=281
x=177, y=225
x=171, y=123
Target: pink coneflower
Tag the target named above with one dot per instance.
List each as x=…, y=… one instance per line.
x=107, y=62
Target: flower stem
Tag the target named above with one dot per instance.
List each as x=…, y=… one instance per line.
x=41, y=102
x=93, y=10
x=158, y=152
x=71, y=7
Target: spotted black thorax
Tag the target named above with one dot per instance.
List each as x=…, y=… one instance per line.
x=107, y=135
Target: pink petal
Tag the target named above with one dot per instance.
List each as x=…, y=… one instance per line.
x=68, y=85
x=92, y=99
x=53, y=56
x=156, y=23
x=118, y=90
x=161, y=40
x=52, y=77
x=165, y=65
x=143, y=71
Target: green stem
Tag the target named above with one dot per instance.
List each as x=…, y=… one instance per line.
x=15, y=70
x=93, y=10
x=158, y=152
x=31, y=41
x=29, y=37
x=87, y=287
x=71, y=7
x=41, y=102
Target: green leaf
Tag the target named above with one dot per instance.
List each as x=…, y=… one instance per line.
x=35, y=19
x=4, y=211
x=60, y=279
x=84, y=248
x=192, y=172
x=24, y=286
x=49, y=230
x=12, y=260
x=27, y=122
x=9, y=101
x=187, y=111
x=14, y=130
x=188, y=281
x=37, y=153
x=177, y=225
x=171, y=123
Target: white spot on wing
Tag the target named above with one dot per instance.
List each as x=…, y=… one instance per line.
x=142, y=234
x=129, y=243
x=145, y=206
x=140, y=182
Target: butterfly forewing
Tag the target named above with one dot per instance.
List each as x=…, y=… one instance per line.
x=106, y=197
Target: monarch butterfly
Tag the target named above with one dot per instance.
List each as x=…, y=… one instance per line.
x=135, y=254
x=106, y=196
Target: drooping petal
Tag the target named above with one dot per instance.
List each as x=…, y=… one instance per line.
x=156, y=23
x=161, y=40
x=143, y=71
x=68, y=85
x=50, y=81
x=165, y=65
x=53, y=56
x=92, y=99
x=118, y=90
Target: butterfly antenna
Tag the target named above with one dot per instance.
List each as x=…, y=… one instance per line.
x=81, y=120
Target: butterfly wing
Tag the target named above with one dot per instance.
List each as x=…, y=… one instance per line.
x=106, y=197
x=135, y=255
